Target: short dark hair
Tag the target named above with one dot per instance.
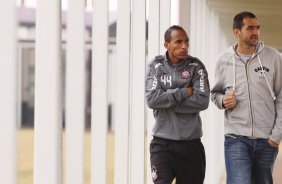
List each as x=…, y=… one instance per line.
x=167, y=35
x=238, y=19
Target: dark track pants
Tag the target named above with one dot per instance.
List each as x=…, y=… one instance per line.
x=183, y=160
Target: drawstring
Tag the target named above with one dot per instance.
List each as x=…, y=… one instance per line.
x=267, y=82
x=234, y=73
x=263, y=73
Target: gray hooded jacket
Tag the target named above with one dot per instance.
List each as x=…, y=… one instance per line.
x=257, y=84
x=177, y=113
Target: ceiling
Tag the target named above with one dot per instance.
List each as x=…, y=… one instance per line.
x=268, y=12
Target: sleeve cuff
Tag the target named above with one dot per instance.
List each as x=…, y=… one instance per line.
x=220, y=102
x=275, y=139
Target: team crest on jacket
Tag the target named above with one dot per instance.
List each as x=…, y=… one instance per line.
x=154, y=173
x=185, y=74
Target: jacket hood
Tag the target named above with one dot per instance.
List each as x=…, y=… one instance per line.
x=258, y=49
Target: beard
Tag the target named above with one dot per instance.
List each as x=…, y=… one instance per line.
x=251, y=42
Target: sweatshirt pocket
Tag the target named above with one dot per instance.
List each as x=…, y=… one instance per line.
x=239, y=115
x=263, y=115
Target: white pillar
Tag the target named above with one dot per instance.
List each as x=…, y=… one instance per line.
x=48, y=98
x=137, y=120
x=153, y=50
x=154, y=29
x=185, y=15
x=99, y=103
x=8, y=94
x=159, y=22
x=193, y=28
x=122, y=94
x=165, y=18
x=19, y=90
x=175, y=4
x=215, y=134
x=75, y=93
x=204, y=44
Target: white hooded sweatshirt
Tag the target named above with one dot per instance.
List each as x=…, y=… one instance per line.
x=258, y=87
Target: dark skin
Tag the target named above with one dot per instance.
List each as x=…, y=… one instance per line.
x=247, y=37
x=177, y=49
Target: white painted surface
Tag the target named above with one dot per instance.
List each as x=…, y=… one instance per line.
x=122, y=108
x=137, y=120
x=99, y=103
x=8, y=93
x=75, y=94
x=48, y=94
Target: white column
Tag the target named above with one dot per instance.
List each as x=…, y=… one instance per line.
x=185, y=15
x=193, y=28
x=153, y=50
x=99, y=115
x=199, y=31
x=19, y=90
x=159, y=22
x=122, y=94
x=75, y=93
x=48, y=98
x=165, y=18
x=175, y=12
x=204, y=44
x=204, y=35
x=215, y=157
x=202, y=49
x=154, y=29
x=214, y=134
x=138, y=62
x=8, y=93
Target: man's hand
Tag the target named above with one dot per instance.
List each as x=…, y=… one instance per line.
x=273, y=144
x=189, y=91
x=229, y=100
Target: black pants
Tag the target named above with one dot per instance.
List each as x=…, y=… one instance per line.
x=183, y=160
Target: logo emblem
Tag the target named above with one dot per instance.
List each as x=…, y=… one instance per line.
x=154, y=173
x=202, y=80
x=185, y=74
x=262, y=71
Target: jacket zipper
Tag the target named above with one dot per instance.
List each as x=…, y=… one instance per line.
x=248, y=86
